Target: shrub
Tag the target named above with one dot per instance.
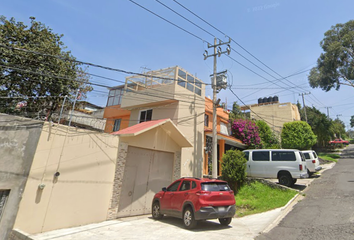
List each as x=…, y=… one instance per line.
x=298, y=135
x=247, y=132
x=234, y=168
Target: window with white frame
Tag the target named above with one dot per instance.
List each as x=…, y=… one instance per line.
x=115, y=97
x=145, y=115
x=224, y=129
x=116, y=125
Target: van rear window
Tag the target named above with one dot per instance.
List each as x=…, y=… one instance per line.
x=307, y=155
x=260, y=156
x=283, y=156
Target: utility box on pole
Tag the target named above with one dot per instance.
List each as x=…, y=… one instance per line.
x=222, y=79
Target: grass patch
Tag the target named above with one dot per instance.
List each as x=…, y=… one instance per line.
x=329, y=156
x=257, y=197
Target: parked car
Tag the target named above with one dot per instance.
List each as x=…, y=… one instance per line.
x=287, y=165
x=339, y=141
x=194, y=199
x=312, y=163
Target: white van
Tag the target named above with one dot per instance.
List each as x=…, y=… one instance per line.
x=287, y=165
x=312, y=162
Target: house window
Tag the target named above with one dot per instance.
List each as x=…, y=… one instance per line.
x=115, y=97
x=224, y=129
x=145, y=116
x=116, y=126
x=206, y=120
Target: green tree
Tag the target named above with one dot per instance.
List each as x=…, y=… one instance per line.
x=297, y=135
x=33, y=75
x=335, y=67
x=352, y=121
x=320, y=124
x=234, y=168
x=268, y=138
x=338, y=129
x=236, y=112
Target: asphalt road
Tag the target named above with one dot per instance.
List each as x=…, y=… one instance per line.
x=327, y=211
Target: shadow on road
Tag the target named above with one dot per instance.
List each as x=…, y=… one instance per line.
x=201, y=227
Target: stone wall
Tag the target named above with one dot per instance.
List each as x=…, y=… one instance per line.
x=118, y=180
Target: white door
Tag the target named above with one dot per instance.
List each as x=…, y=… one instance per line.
x=146, y=172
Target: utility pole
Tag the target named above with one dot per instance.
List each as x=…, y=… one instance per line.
x=71, y=115
x=217, y=52
x=328, y=111
x=62, y=107
x=303, y=102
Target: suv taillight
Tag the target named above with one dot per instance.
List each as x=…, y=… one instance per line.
x=300, y=167
x=313, y=161
x=202, y=192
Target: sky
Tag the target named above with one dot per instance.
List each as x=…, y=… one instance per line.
x=284, y=35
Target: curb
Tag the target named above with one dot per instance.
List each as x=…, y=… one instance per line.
x=284, y=211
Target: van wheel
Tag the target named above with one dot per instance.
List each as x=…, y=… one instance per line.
x=309, y=173
x=286, y=179
x=294, y=180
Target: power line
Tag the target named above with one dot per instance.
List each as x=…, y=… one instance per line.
x=235, y=43
x=92, y=64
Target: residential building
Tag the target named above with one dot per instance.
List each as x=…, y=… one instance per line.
x=116, y=117
x=275, y=114
x=225, y=141
x=170, y=93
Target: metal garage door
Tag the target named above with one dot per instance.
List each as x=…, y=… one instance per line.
x=146, y=172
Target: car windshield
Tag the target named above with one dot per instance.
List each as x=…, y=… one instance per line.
x=215, y=186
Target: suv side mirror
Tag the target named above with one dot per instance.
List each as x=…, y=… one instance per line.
x=164, y=189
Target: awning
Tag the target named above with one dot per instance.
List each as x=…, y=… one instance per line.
x=228, y=139
x=166, y=124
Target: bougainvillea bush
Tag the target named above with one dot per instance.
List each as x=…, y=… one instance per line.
x=247, y=132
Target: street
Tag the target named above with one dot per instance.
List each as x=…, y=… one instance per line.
x=327, y=211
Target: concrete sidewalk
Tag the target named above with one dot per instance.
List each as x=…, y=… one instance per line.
x=144, y=227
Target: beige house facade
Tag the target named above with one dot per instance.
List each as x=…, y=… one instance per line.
x=79, y=176
x=175, y=94
x=275, y=114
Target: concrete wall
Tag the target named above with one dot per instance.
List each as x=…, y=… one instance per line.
x=18, y=143
x=81, y=194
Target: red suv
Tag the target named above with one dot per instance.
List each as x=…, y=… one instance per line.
x=193, y=199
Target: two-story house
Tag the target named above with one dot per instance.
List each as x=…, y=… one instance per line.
x=225, y=141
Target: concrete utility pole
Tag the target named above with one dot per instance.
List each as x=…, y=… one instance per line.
x=303, y=102
x=217, y=52
x=328, y=111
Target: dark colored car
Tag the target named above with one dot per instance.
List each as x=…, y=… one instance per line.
x=194, y=199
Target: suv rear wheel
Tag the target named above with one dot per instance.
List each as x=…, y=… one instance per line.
x=225, y=221
x=188, y=218
x=156, y=214
x=286, y=179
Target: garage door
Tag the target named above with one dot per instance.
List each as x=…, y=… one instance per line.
x=146, y=172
